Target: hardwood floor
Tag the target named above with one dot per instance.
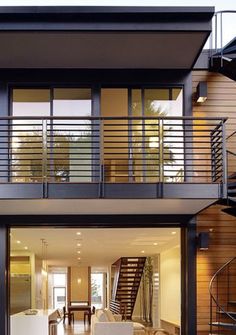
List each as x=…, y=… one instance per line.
x=76, y=329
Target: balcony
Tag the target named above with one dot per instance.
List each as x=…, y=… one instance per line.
x=112, y=158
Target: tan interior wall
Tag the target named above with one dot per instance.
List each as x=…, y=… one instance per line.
x=221, y=102
x=170, y=291
x=79, y=290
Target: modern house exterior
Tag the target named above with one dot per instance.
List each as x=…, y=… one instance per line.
x=105, y=122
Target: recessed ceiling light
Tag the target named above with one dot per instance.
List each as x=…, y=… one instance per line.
x=26, y=248
x=18, y=242
x=155, y=243
x=78, y=244
x=78, y=252
x=142, y=252
x=173, y=232
x=78, y=233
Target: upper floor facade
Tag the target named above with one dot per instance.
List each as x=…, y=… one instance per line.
x=96, y=103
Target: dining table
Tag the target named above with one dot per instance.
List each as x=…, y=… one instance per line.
x=79, y=307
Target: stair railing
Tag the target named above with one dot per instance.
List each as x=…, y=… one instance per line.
x=214, y=300
x=216, y=38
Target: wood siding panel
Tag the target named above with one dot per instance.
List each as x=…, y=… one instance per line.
x=221, y=102
x=222, y=248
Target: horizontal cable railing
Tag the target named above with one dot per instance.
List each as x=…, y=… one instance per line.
x=112, y=149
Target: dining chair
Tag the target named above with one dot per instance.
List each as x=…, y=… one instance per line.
x=68, y=315
x=87, y=314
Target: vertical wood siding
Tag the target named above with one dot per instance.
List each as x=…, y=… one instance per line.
x=221, y=102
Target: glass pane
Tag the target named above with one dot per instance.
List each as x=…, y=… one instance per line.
x=157, y=145
x=97, y=290
x=26, y=141
x=114, y=103
x=59, y=279
x=59, y=297
x=72, y=139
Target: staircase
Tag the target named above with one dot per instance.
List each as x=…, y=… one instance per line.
x=224, y=61
x=128, y=275
x=223, y=300
x=231, y=182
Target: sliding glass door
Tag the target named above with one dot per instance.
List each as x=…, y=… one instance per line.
x=137, y=144
x=58, y=150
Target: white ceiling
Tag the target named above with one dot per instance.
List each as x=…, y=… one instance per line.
x=100, y=50
x=99, y=247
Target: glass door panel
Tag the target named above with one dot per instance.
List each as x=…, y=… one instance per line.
x=26, y=151
x=153, y=147
x=71, y=152
x=114, y=103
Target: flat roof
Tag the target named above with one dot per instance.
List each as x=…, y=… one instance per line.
x=103, y=37
x=163, y=13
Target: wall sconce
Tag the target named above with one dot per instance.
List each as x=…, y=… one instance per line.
x=201, y=95
x=203, y=241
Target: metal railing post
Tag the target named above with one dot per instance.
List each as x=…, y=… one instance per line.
x=224, y=162
x=161, y=154
x=216, y=33
x=44, y=157
x=101, y=159
x=221, y=39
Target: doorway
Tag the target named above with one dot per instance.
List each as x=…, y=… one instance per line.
x=82, y=269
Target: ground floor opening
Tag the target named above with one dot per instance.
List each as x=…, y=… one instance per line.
x=68, y=274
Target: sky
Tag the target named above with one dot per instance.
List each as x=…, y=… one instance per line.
x=219, y=4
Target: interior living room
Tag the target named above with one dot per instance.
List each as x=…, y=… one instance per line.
x=76, y=274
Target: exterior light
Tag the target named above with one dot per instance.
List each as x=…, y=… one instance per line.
x=26, y=248
x=78, y=233
x=203, y=241
x=173, y=232
x=18, y=242
x=78, y=252
x=142, y=252
x=155, y=243
x=78, y=244
x=201, y=91
x=79, y=280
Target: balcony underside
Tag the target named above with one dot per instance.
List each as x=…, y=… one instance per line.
x=111, y=199
x=104, y=206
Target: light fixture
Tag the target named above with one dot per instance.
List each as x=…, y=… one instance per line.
x=79, y=280
x=155, y=243
x=78, y=244
x=79, y=258
x=201, y=95
x=26, y=248
x=203, y=241
x=153, y=142
x=173, y=232
x=78, y=233
x=18, y=242
x=142, y=252
x=78, y=252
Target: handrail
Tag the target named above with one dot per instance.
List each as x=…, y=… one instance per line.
x=231, y=135
x=231, y=152
x=221, y=308
x=223, y=119
x=218, y=27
